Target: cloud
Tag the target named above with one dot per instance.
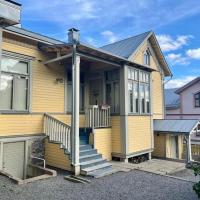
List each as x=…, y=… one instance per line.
x=193, y=53
x=109, y=36
x=168, y=43
x=177, y=59
x=179, y=82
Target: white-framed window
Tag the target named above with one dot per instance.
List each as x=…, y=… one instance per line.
x=197, y=100
x=138, y=91
x=14, y=84
x=147, y=57
x=113, y=90
x=81, y=94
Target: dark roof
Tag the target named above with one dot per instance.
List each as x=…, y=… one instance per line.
x=172, y=100
x=126, y=47
x=33, y=35
x=175, y=125
x=191, y=83
x=14, y=2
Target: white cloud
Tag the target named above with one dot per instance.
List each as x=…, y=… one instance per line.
x=177, y=59
x=168, y=43
x=110, y=36
x=193, y=53
x=179, y=82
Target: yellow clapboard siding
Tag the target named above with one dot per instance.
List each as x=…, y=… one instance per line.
x=20, y=124
x=56, y=157
x=139, y=133
x=159, y=145
x=157, y=95
x=116, y=136
x=103, y=144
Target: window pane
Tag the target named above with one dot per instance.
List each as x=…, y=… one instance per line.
x=116, y=98
x=13, y=65
x=142, y=103
x=108, y=94
x=81, y=98
x=147, y=97
x=130, y=95
x=6, y=89
x=135, y=98
x=21, y=88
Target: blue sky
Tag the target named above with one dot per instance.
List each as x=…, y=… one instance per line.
x=176, y=24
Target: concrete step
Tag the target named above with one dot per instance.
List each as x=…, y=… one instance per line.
x=85, y=147
x=87, y=152
x=102, y=172
x=89, y=157
x=92, y=163
x=88, y=170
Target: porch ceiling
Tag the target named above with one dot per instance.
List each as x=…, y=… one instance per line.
x=176, y=126
x=90, y=53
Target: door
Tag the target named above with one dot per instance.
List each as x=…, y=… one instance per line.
x=13, y=158
x=174, y=147
x=96, y=92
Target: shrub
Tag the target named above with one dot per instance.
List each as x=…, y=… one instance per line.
x=196, y=186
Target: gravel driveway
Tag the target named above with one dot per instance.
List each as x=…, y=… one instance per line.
x=131, y=185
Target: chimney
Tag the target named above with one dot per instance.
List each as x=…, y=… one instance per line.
x=73, y=36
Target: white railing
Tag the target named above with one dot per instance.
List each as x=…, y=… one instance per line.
x=98, y=116
x=57, y=131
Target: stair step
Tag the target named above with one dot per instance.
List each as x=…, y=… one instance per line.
x=88, y=152
x=92, y=163
x=85, y=147
x=102, y=172
x=88, y=170
x=89, y=157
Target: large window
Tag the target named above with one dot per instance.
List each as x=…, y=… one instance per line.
x=113, y=90
x=138, y=91
x=197, y=100
x=14, y=84
x=69, y=92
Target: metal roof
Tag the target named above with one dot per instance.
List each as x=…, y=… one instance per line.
x=172, y=100
x=194, y=81
x=126, y=47
x=33, y=35
x=175, y=125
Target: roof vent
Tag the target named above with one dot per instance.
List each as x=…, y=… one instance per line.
x=73, y=36
x=10, y=13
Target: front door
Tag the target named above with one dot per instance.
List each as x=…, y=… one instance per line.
x=96, y=91
x=174, y=147
x=13, y=158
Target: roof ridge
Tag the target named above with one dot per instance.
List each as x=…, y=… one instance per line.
x=126, y=39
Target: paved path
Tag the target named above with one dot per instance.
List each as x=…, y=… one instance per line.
x=131, y=185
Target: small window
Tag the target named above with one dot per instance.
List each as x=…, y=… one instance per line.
x=14, y=85
x=197, y=100
x=147, y=57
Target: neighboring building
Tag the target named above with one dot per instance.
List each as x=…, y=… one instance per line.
x=107, y=99
x=184, y=103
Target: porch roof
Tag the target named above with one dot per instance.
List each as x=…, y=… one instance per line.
x=176, y=126
x=91, y=52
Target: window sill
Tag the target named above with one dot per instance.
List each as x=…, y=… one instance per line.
x=13, y=112
x=138, y=114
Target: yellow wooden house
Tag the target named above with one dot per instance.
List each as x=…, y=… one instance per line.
x=89, y=104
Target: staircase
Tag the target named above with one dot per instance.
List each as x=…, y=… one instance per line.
x=92, y=163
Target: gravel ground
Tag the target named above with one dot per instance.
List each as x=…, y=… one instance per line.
x=186, y=174
x=131, y=185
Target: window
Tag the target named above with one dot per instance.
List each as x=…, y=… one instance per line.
x=147, y=57
x=69, y=92
x=113, y=90
x=138, y=91
x=14, y=84
x=197, y=100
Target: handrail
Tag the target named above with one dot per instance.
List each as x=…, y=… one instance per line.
x=57, y=131
x=37, y=158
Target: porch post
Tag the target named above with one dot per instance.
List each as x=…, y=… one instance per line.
x=1, y=38
x=75, y=111
x=189, y=149
x=124, y=110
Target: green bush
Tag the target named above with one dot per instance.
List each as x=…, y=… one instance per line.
x=196, y=186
